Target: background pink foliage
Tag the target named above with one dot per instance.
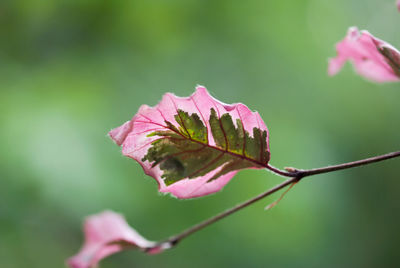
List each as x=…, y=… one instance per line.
x=107, y=233
x=132, y=135
x=362, y=50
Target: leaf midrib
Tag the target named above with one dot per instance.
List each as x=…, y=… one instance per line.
x=243, y=157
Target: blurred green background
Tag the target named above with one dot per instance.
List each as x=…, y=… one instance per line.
x=71, y=70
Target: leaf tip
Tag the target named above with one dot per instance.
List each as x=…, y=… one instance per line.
x=119, y=134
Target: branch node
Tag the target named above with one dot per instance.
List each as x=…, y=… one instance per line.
x=291, y=169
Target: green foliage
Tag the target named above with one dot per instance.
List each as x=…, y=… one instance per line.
x=185, y=151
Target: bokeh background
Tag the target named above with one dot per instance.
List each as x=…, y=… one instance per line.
x=70, y=70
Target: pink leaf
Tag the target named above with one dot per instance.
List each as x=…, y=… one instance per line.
x=194, y=146
x=372, y=58
x=398, y=5
x=107, y=233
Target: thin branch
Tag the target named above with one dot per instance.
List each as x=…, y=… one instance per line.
x=175, y=239
x=295, y=176
x=358, y=163
x=293, y=172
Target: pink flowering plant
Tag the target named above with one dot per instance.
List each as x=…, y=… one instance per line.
x=193, y=146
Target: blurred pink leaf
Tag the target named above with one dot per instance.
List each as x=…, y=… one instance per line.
x=194, y=146
x=372, y=58
x=398, y=5
x=107, y=233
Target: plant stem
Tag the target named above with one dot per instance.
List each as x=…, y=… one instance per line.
x=295, y=176
x=201, y=225
x=358, y=163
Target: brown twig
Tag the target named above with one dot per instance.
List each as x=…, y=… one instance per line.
x=295, y=176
